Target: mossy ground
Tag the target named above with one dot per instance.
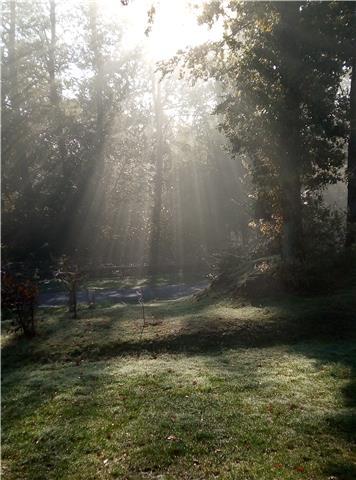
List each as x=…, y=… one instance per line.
x=206, y=390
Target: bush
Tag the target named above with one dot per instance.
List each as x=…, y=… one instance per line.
x=20, y=298
x=323, y=266
x=71, y=277
x=247, y=276
x=259, y=269
x=324, y=230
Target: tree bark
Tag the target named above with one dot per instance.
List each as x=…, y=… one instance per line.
x=52, y=53
x=351, y=162
x=12, y=56
x=291, y=157
x=20, y=152
x=98, y=66
x=89, y=197
x=55, y=98
x=156, y=219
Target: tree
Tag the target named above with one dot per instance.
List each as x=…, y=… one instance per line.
x=96, y=165
x=55, y=98
x=281, y=101
x=156, y=220
x=351, y=167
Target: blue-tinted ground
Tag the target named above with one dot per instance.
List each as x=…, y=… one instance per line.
x=127, y=289
x=127, y=295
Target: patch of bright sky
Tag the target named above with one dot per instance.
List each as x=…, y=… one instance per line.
x=175, y=25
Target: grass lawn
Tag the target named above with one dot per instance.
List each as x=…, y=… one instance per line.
x=206, y=390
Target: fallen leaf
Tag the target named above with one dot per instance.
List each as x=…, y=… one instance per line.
x=300, y=469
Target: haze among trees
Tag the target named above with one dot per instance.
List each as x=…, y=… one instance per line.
x=178, y=239
x=108, y=161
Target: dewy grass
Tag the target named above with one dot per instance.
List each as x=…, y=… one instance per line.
x=88, y=400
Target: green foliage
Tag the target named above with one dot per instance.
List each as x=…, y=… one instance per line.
x=258, y=270
x=282, y=106
x=324, y=229
x=80, y=145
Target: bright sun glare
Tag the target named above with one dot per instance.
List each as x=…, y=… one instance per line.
x=175, y=24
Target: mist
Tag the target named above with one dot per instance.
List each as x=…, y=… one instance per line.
x=178, y=278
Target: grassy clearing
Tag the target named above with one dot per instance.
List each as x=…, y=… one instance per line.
x=208, y=390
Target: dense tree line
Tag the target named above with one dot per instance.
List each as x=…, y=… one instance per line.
x=288, y=73
x=100, y=157
x=104, y=159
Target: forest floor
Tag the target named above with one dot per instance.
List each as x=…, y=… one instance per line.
x=206, y=390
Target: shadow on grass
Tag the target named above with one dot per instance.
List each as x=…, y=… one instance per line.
x=66, y=396
x=97, y=335
x=292, y=322
x=60, y=338
x=342, y=424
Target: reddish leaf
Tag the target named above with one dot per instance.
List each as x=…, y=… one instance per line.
x=300, y=469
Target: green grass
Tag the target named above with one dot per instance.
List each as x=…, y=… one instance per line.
x=205, y=391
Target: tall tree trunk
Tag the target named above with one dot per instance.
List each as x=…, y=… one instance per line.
x=65, y=193
x=89, y=196
x=290, y=138
x=351, y=164
x=99, y=78
x=12, y=56
x=52, y=55
x=55, y=98
x=156, y=219
x=95, y=196
x=20, y=152
x=292, y=216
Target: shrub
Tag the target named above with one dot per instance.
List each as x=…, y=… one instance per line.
x=20, y=299
x=71, y=277
x=245, y=275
